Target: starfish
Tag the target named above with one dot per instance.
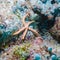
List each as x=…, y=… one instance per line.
x=26, y=27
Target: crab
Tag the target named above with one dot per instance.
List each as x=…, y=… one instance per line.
x=26, y=27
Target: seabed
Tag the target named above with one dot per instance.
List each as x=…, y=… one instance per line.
x=22, y=40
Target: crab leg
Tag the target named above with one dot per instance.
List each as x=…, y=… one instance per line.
x=34, y=31
x=20, y=30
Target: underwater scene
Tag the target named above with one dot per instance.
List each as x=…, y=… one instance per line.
x=29, y=29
